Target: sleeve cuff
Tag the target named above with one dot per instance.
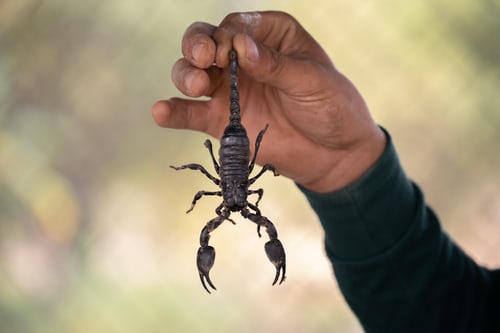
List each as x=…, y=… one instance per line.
x=370, y=215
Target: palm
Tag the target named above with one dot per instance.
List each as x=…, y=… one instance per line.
x=298, y=115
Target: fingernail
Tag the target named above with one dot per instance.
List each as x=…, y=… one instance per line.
x=252, y=51
x=196, y=51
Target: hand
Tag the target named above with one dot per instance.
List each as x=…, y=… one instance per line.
x=320, y=134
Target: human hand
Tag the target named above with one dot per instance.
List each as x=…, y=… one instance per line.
x=320, y=134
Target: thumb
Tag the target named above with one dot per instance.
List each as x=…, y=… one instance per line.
x=269, y=66
x=181, y=113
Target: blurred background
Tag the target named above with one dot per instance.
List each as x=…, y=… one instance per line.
x=93, y=231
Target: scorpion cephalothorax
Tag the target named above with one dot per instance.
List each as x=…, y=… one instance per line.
x=234, y=170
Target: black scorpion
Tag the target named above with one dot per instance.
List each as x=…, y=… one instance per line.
x=234, y=170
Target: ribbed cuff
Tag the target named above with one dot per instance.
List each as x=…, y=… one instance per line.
x=368, y=216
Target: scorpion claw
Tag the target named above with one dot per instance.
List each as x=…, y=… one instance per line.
x=276, y=254
x=205, y=260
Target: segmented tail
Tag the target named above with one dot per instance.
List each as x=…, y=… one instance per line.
x=234, y=97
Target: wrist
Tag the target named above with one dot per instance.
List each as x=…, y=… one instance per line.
x=345, y=167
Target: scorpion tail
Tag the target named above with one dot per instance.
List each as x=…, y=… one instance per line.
x=205, y=260
x=234, y=97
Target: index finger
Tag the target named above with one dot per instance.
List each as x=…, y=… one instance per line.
x=274, y=29
x=198, y=46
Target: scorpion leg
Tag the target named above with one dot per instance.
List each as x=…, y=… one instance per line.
x=274, y=249
x=208, y=144
x=257, y=145
x=198, y=197
x=259, y=192
x=265, y=168
x=194, y=166
x=205, y=257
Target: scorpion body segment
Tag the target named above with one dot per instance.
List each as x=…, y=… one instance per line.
x=234, y=158
x=234, y=168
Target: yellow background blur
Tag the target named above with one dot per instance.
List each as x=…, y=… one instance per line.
x=93, y=234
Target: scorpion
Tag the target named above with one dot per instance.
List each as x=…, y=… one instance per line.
x=234, y=168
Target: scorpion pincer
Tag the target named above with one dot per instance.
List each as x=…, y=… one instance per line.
x=234, y=168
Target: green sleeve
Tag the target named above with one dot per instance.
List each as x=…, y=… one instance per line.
x=397, y=269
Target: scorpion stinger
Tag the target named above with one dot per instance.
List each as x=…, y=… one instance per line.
x=233, y=168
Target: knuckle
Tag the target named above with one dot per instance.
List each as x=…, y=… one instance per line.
x=197, y=28
x=231, y=19
x=245, y=22
x=276, y=64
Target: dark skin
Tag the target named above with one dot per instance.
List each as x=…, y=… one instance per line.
x=321, y=134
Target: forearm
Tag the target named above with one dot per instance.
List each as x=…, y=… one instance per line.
x=396, y=268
